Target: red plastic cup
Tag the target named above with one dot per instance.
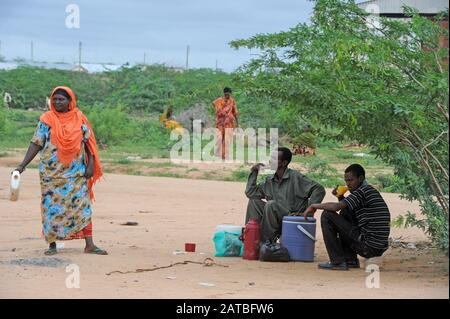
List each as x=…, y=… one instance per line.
x=189, y=247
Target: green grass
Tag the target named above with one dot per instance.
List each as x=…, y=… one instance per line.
x=209, y=176
x=144, y=151
x=159, y=165
x=339, y=155
x=123, y=161
x=240, y=175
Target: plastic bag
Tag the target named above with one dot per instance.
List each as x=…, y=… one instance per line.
x=273, y=252
x=228, y=244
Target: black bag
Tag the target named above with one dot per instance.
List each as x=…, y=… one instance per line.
x=273, y=252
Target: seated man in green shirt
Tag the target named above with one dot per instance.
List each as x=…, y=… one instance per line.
x=286, y=192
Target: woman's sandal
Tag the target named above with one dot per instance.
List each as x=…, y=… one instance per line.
x=97, y=251
x=51, y=251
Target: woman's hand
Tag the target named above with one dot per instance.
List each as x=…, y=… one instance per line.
x=19, y=168
x=90, y=163
x=32, y=151
x=89, y=171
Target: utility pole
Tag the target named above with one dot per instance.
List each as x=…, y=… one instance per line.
x=217, y=63
x=31, y=53
x=144, y=58
x=79, y=54
x=187, y=57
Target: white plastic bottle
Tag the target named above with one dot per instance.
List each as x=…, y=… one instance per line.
x=15, y=186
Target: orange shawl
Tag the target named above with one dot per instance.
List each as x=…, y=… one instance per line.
x=226, y=112
x=67, y=135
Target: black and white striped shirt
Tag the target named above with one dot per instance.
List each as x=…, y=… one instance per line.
x=372, y=214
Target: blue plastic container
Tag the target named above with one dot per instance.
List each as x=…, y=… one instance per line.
x=299, y=237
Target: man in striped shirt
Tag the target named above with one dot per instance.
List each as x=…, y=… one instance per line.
x=362, y=226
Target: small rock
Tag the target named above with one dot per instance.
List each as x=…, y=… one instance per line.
x=251, y=283
x=411, y=246
x=13, y=249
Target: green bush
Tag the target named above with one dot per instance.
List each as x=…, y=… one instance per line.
x=240, y=175
x=322, y=172
x=325, y=180
x=111, y=124
x=29, y=86
x=321, y=167
x=18, y=127
x=389, y=183
x=2, y=120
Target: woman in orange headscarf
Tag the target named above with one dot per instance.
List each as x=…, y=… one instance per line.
x=68, y=168
x=226, y=115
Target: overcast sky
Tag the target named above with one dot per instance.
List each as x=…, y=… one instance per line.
x=122, y=31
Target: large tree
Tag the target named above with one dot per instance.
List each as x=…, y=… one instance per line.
x=383, y=81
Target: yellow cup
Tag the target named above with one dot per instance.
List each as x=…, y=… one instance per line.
x=341, y=190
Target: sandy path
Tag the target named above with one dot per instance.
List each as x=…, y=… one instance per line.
x=179, y=211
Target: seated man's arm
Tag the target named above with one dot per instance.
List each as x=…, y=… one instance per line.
x=333, y=207
x=253, y=190
x=317, y=193
x=353, y=201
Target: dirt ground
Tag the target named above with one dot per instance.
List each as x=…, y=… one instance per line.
x=169, y=213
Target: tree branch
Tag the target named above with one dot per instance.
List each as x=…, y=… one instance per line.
x=441, y=109
x=440, y=196
x=441, y=70
x=427, y=150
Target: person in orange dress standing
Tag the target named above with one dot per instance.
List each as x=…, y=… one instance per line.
x=68, y=169
x=226, y=116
